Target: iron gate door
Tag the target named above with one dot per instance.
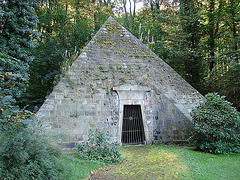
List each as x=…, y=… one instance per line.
x=132, y=128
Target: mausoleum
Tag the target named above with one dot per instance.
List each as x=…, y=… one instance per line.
x=120, y=86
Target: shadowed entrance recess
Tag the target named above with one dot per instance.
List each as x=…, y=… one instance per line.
x=132, y=129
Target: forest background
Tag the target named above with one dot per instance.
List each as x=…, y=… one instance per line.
x=40, y=39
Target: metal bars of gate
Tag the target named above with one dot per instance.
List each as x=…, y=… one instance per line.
x=132, y=129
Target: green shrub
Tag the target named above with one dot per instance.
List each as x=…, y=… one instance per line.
x=99, y=147
x=24, y=152
x=216, y=126
x=25, y=155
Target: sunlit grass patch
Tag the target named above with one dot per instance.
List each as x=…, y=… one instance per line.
x=148, y=162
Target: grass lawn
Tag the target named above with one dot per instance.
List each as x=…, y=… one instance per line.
x=159, y=162
x=77, y=168
x=209, y=166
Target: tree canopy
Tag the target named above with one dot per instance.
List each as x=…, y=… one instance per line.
x=199, y=39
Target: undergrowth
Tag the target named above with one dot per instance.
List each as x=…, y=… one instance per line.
x=99, y=147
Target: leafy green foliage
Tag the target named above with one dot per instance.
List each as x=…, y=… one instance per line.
x=99, y=147
x=64, y=32
x=24, y=153
x=13, y=75
x=18, y=32
x=18, y=20
x=216, y=126
x=13, y=81
x=192, y=33
x=228, y=83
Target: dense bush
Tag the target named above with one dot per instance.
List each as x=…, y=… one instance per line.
x=24, y=153
x=216, y=126
x=99, y=147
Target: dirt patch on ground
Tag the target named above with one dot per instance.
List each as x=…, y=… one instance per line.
x=143, y=162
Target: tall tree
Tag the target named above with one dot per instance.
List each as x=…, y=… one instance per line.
x=58, y=35
x=214, y=13
x=18, y=23
x=101, y=11
x=233, y=22
x=199, y=39
x=192, y=33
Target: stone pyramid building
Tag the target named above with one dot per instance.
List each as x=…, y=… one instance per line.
x=120, y=86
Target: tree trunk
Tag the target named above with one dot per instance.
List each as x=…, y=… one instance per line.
x=134, y=8
x=126, y=13
x=211, y=33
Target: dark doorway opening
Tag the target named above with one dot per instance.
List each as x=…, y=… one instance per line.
x=132, y=128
